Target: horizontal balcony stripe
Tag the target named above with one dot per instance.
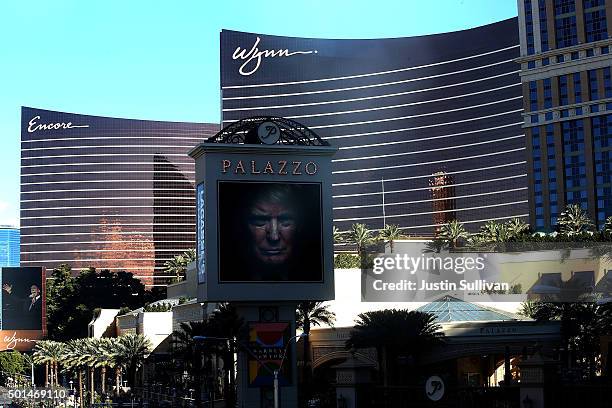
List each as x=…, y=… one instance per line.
x=420, y=115
x=78, y=251
x=431, y=175
x=394, y=71
x=122, y=224
x=103, y=155
x=452, y=198
x=368, y=98
x=142, y=136
x=168, y=146
x=430, y=212
x=47, y=261
x=104, y=198
x=469, y=132
x=151, y=214
x=108, y=206
x=103, y=189
x=382, y=156
x=102, y=242
x=90, y=233
x=113, y=172
x=454, y=122
x=430, y=162
x=190, y=163
x=427, y=188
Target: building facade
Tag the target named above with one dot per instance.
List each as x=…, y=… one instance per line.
x=401, y=111
x=9, y=246
x=108, y=193
x=567, y=95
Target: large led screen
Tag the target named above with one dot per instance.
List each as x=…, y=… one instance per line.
x=270, y=232
x=22, y=299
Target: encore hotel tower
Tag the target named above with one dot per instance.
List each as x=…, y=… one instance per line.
x=107, y=193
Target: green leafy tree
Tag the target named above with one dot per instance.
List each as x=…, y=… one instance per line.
x=12, y=365
x=71, y=300
x=395, y=333
x=390, y=234
x=309, y=314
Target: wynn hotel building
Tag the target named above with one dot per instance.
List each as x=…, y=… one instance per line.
x=405, y=113
x=108, y=193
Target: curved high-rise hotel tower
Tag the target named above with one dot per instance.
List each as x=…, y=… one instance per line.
x=401, y=111
x=107, y=193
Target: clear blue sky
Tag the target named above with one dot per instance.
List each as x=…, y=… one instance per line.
x=160, y=59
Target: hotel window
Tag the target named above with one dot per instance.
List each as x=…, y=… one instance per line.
x=595, y=25
x=574, y=162
x=552, y=173
x=602, y=131
x=547, y=93
x=536, y=153
x=529, y=28
x=563, y=96
x=577, y=88
x=590, y=52
x=533, y=96
x=565, y=23
x=593, y=91
x=560, y=58
x=543, y=27
x=607, y=82
x=545, y=61
x=605, y=50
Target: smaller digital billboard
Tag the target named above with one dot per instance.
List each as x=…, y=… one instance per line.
x=23, y=307
x=270, y=232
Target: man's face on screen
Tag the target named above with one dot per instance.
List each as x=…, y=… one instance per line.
x=272, y=227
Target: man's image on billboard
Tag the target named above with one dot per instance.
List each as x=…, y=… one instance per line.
x=22, y=299
x=270, y=232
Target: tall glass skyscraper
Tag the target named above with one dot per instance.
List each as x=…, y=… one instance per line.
x=9, y=246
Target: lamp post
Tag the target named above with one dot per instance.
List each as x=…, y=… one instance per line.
x=250, y=352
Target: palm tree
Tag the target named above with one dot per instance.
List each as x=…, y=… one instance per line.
x=574, y=220
x=225, y=322
x=516, y=228
x=338, y=238
x=131, y=352
x=607, y=228
x=49, y=353
x=394, y=333
x=390, y=233
x=177, y=265
x=308, y=314
x=186, y=350
x=74, y=358
x=452, y=232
